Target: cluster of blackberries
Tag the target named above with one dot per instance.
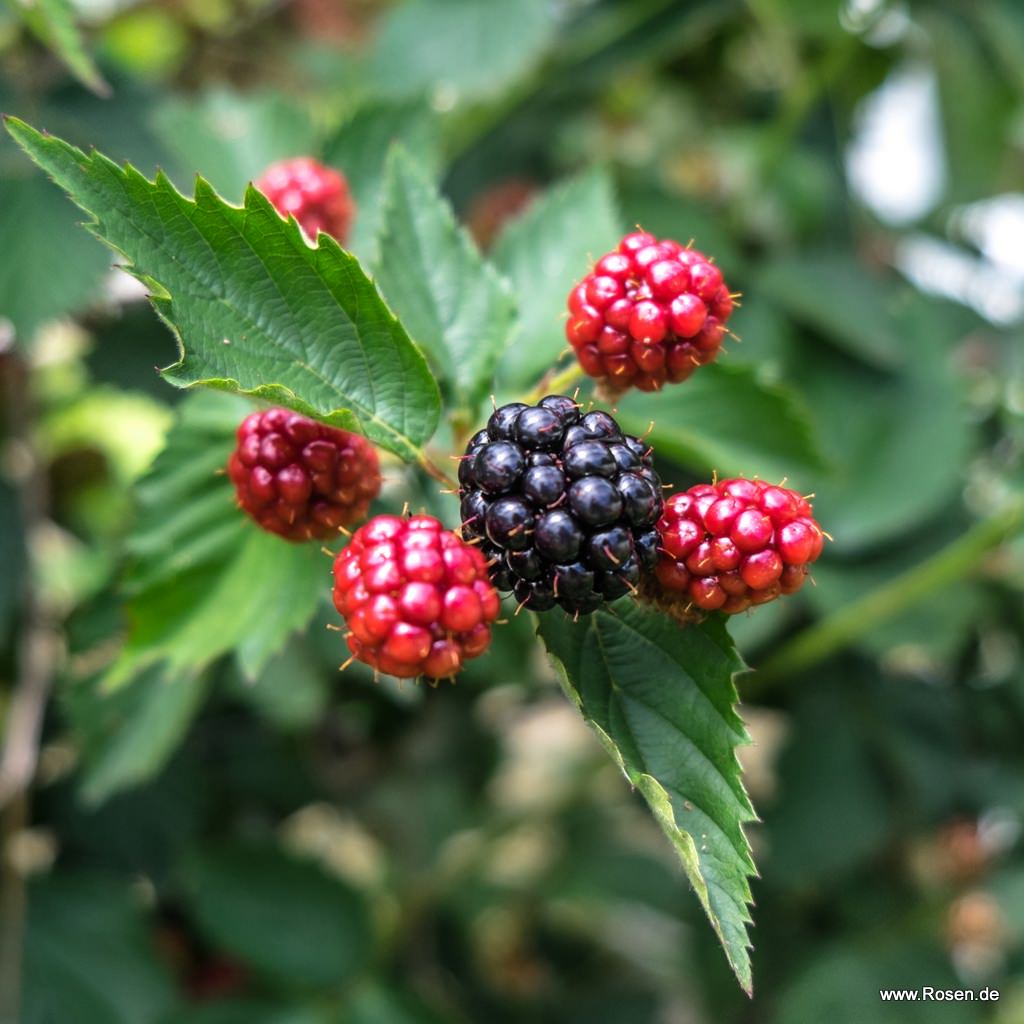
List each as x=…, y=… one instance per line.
x=562, y=503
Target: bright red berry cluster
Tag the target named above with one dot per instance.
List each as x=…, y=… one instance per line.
x=736, y=543
x=299, y=478
x=416, y=597
x=317, y=196
x=650, y=312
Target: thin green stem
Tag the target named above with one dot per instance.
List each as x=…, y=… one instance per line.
x=554, y=383
x=841, y=628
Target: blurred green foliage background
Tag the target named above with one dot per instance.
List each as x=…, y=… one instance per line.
x=311, y=848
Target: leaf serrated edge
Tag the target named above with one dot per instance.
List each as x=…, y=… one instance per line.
x=399, y=161
x=657, y=798
x=28, y=138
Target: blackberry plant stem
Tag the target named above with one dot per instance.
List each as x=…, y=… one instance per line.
x=840, y=629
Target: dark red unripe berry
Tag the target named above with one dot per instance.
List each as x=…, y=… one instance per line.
x=416, y=598
x=299, y=478
x=733, y=544
x=649, y=313
x=316, y=196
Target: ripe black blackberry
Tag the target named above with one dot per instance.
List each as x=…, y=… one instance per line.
x=563, y=504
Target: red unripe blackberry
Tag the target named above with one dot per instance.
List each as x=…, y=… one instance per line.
x=299, y=478
x=733, y=544
x=416, y=598
x=648, y=314
x=316, y=196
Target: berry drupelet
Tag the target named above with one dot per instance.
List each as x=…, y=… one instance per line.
x=734, y=544
x=299, y=478
x=415, y=596
x=562, y=504
x=650, y=312
x=316, y=196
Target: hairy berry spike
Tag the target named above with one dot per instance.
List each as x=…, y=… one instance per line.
x=562, y=504
x=648, y=314
x=731, y=545
x=415, y=596
x=316, y=196
x=302, y=479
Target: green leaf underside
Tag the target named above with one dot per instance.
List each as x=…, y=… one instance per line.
x=449, y=298
x=255, y=309
x=662, y=701
x=205, y=580
x=544, y=253
x=731, y=423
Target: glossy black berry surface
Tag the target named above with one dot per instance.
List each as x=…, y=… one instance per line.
x=562, y=503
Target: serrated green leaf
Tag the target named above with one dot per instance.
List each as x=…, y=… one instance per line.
x=360, y=147
x=476, y=47
x=450, y=299
x=204, y=580
x=319, y=929
x=53, y=23
x=142, y=724
x=838, y=297
x=544, y=253
x=231, y=138
x=255, y=308
x=35, y=287
x=662, y=700
x=728, y=421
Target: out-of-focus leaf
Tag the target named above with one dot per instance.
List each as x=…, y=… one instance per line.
x=12, y=554
x=544, y=253
x=230, y=138
x=290, y=691
x=978, y=108
x=141, y=724
x=360, y=147
x=204, y=580
x=53, y=23
x=727, y=421
x=662, y=701
x=476, y=47
x=36, y=287
x=88, y=957
x=257, y=310
x=674, y=216
x=449, y=298
x=377, y=1002
x=842, y=986
x=128, y=428
x=897, y=444
x=832, y=811
x=931, y=631
x=836, y=296
x=285, y=918
x=249, y=1011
